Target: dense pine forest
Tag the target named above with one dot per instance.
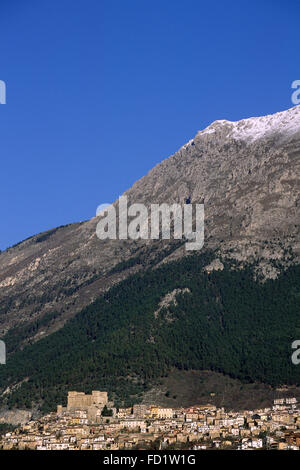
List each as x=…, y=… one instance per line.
x=226, y=321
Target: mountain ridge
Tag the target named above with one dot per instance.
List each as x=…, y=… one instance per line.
x=284, y=123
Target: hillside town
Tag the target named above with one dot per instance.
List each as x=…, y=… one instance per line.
x=91, y=422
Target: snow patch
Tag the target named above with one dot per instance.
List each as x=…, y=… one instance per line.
x=285, y=123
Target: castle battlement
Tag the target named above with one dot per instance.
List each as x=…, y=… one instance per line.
x=81, y=401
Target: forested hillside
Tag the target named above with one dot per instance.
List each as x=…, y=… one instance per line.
x=225, y=321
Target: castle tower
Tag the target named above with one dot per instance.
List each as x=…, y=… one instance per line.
x=81, y=401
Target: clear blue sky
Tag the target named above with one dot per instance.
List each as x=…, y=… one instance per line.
x=99, y=91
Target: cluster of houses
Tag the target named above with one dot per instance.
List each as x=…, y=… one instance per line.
x=89, y=424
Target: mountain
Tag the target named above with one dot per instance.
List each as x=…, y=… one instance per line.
x=247, y=174
x=61, y=289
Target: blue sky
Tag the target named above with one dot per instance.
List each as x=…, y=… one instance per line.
x=99, y=91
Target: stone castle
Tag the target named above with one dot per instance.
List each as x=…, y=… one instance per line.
x=93, y=404
x=81, y=401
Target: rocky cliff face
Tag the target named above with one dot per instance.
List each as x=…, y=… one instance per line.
x=247, y=173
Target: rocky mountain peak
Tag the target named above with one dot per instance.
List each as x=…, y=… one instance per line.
x=284, y=124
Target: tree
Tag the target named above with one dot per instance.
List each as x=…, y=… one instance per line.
x=106, y=411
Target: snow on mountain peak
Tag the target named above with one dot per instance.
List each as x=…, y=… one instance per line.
x=284, y=123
